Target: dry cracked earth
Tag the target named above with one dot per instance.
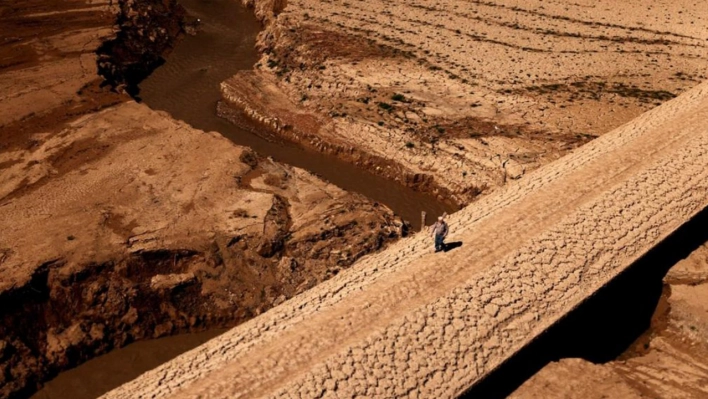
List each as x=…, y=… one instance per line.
x=408, y=322
x=668, y=361
x=119, y=223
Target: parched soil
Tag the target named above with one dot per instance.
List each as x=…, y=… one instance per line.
x=140, y=227
x=120, y=223
x=470, y=94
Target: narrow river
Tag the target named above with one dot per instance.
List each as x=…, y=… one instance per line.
x=187, y=87
x=99, y=375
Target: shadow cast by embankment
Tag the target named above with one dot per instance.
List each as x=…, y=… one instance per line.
x=605, y=325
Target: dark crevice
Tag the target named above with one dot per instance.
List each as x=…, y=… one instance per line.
x=607, y=324
x=149, y=29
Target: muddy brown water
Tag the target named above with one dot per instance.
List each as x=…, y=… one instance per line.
x=187, y=87
x=101, y=374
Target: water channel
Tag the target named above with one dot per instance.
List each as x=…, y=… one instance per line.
x=101, y=374
x=187, y=87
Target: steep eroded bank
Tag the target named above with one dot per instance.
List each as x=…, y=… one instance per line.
x=148, y=228
x=120, y=223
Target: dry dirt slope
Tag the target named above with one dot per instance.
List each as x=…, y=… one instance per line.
x=407, y=322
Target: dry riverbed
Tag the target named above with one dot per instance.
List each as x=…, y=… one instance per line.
x=120, y=223
x=457, y=97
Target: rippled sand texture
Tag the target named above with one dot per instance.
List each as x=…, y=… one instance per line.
x=476, y=93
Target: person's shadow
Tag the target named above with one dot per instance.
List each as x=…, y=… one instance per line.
x=449, y=246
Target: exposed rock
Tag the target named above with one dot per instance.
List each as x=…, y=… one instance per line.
x=266, y=10
x=3, y=349
x=148, y=30
x=513, y=169
x=576, y=378
x=171, y=281
x=692, y=270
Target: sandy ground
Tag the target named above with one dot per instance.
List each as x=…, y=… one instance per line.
x=466, y=95
x=120, y=223
x=669, y=361
x=408, y=322
x=48, y=66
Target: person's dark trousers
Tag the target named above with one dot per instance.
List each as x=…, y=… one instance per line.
x=439, y=246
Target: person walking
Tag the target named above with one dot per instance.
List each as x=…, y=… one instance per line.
x=439, y=232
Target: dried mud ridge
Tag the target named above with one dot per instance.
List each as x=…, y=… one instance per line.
x=616, y=327
x=408, y=322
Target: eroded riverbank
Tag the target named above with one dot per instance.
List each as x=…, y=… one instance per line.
x=187, y=87
x=120, y=223
x=464, y=96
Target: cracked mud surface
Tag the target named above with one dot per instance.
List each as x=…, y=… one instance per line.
x=457, y=97
x=407, y=322
x=667, y=361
